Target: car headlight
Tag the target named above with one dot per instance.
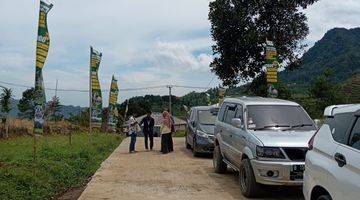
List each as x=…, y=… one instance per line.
x=269, y=152
x=202, y=134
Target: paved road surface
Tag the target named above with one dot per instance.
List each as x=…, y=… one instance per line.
x=175, y=176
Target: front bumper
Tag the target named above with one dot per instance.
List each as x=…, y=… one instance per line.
x=204, y=145
x=283, y=172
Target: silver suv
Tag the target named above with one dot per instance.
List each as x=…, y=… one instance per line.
x=264, y=139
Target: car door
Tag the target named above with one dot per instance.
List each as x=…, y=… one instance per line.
x=347, y=172
x=191, y=128
x=239, y=136
x=228, y=131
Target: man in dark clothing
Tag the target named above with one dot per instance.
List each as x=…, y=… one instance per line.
x=171, y=143
x=148, y=123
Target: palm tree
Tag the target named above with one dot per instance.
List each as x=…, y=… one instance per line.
x=5, y=102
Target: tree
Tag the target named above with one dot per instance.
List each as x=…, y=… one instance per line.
x=323, y=93
x=26, y=104
x=5, y=101
x=241, y=28
x=53, y=109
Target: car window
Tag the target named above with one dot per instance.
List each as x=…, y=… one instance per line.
x=230, y=114
x=192, y=116
x=221, y=112
x=355, y=136
x=339, y=125
x=274, y=117
x=206, y=117
x=239, y=113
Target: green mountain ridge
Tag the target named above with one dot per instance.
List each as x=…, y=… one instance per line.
x=338, y=50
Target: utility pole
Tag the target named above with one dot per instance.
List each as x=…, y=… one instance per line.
x=56, y=88
x=170, y=86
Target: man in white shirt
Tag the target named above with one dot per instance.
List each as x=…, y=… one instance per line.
x=133, y=130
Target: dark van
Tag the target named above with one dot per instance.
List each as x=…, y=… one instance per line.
x=200, y=129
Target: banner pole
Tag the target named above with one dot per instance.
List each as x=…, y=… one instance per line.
x=90, y=99
x=34, y=154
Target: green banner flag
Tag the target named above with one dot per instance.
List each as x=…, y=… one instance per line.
x=42, y=47
x=95, y=90
x=113, y=97
x=272, y=66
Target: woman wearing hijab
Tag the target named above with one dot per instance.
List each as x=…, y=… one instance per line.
x=165, y=131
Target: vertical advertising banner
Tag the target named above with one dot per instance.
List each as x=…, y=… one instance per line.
x=42, y=47
x=113, y=97
x=272, y=66
x=95, y=90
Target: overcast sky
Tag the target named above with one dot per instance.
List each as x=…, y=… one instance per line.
x=144, y=43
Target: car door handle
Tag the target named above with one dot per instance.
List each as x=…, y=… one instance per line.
x=230, y=135
x=243, y=137
x=340, y=159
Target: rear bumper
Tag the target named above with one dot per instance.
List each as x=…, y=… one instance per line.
x=283, y=173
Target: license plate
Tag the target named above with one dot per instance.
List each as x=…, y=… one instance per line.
x=298, y=168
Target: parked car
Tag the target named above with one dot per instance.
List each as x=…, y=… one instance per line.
x=264, y=139
x=200, y=129
x=332, y=168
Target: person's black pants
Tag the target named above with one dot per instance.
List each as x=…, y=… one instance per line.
x=149, y=135
x=171, y=143
x=165, y=147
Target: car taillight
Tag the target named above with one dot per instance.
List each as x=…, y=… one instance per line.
x=311, y=141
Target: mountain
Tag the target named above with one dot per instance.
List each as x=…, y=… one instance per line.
x=337, y=50
x=67, y=110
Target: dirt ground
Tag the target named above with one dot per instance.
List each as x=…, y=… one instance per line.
x=175, y=176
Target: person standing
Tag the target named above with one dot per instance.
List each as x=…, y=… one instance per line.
x=148, y=123
x=171, y=142
x=134, y=128
x=165, y=131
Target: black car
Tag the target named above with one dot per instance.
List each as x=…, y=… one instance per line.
x=200, y=129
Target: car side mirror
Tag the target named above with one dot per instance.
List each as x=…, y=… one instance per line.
x=318, y=123
x=237, y=122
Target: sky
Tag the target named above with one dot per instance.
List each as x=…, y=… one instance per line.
x=144, y=43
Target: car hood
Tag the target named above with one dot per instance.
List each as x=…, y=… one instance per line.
x=209, y=129
x=284, y=138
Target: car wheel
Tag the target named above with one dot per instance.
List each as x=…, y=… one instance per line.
x=324, y=197
x=195, y=153
x=188, y=146
x=218, y=161
x=248, y=185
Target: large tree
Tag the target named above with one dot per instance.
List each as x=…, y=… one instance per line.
x=240, y=29
x=26, y=104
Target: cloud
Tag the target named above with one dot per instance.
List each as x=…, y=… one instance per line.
x=176, y=57
x=144, y=42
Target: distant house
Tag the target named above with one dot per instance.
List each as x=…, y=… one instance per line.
x=179, y=123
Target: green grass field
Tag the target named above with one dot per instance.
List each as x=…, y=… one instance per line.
x=59, y=165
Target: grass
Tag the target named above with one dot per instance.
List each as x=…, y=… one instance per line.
x=60, y=166
x=179, y=134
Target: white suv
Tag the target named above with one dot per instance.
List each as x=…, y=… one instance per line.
x=332, y=169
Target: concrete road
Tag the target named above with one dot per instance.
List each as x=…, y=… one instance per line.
x=149, y=175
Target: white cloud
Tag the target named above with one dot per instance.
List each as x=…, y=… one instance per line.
x=144, y=42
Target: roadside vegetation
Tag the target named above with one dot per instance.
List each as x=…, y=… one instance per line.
x=59, y=165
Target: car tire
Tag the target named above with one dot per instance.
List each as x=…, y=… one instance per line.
x=195, y=153
x=324, y=197
x=248, y=185
x=188, y=146
x=218, y=161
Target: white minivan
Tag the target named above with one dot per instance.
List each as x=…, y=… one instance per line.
x=332, y=169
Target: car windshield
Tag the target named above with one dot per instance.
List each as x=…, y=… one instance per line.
x=206, y=117
x=278, y=117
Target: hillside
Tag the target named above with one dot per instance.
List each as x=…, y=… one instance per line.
x=66, y=110
x=337, y=50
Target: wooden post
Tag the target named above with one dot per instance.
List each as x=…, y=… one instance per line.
x=34, y=154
